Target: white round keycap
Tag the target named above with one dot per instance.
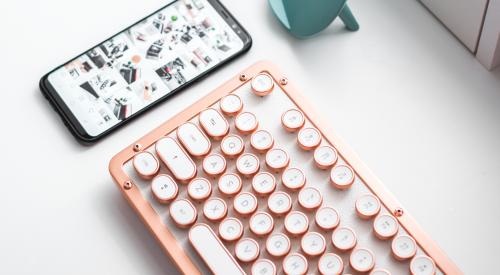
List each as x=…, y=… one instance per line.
x=261, y=140
x=199, y=189
x=232, y=146
x=263, y=267
x=293, y=178
x=293, y=120
x=380, y=271
x=214, y=165
x=342, y=176
x=385, y=226
x=330, y=264
x=231, y=105
x=246, y=122
x=327, y=218
x=247, y=164
x=309, y=138
x=245, y=203
x=325, y=157
x=277, y=159
x=279, y=203
x=182, y=212
x=422, y=265
x=229, y=184
x=230, y=229
x=146, y=164
x=310, y=198
x=263, y=183
x=262, y=84
x=295, y=264
x=246, y=250
x=164, y=188
x=261, y=223
x=278, y=244
x=215, y=209
x=362, y=260
x=313, y=244
x=403, y=247
x=344, y=238
x=296, y=223
x=367, y=206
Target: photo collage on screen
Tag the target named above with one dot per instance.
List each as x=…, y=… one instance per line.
x=149, y=60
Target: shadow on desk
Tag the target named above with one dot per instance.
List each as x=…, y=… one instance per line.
x=140, y=245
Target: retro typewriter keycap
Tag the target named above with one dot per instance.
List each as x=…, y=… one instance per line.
x=164, y=188
x=313, y=244
x=193, y=139
x=231, y=105
x=342, y=177
x=278, y=245
x=295, y=264
x=367, y=206
x=279, y=203
x=230, y=229
x=362, y=260
x=309, y=138
x=261, y=141
x=296, y=223
x=245, y=203
x=403, y=247
x=327, y=218
x=246, y=123
x=310, y=198
x=263, y=267
x=212, y=251
x=344, y=238
x=262, y=84
x=385, y=226
x=261, y=223
x=325, y=157
x=214, y=165
x=248, y=164
x=330, y=264
x=214, y=124
x=199, y=189
x=229, y=184
x=146, y=165
x=215, y=209
x=263, y=183
x=183, y=213
x=246, y=250
x=422, y=265
x=232, y=146
x=176, y=159
x=277, y=159
x=292, y=120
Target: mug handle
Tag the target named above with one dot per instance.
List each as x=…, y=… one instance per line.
x=348, y=19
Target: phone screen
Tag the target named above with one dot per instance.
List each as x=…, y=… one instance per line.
x=146, y=62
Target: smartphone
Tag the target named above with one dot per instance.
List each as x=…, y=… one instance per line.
x=129, y=73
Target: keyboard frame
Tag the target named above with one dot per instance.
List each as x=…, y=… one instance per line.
x=167, y=239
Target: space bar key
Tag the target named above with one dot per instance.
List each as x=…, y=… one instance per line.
x=212, y=251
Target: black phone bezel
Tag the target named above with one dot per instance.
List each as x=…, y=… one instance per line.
x=72, y=123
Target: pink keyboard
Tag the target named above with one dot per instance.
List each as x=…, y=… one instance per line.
x=250, y=180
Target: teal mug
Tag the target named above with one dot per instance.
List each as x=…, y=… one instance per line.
x=303, y=18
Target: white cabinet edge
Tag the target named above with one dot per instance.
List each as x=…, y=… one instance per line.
x=488, y=51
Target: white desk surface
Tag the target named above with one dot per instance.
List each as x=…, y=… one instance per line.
x=403, y=92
